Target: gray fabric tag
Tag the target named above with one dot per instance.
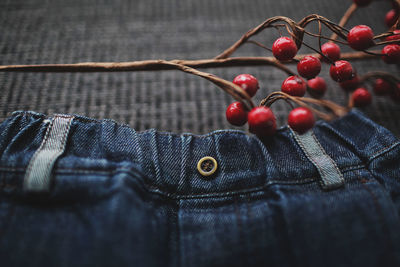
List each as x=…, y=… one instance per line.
x=331, y=177
x=38, y=174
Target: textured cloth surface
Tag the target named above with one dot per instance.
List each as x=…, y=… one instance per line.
x=39, y=31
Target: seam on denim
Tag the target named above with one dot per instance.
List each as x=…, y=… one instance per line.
x=381, y=216
x=230, y=193
x=96, y=171
x=152, y=189
x=82, y=119
x=382, y=151
x=38, y=174
x=313, y=144
x=33, y=159
x=329, y=158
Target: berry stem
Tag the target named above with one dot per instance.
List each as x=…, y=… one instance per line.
x=337, y=110
x=372, y=75
x=343, y=21
x=260, y=45
x=235, y=91
x=324, y=37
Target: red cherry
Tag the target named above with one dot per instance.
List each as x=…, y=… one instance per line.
x=391, y=17
x=248, y=82
x=341, y=71
x=262, y=121
x=309, y=67
x=236, y=114
x=395, y=95
x=351, y=84
x=330, y=50
x=301, y=119
x=284, y=48
x=294, y=86
x=316, y=87
x=362, y=3
x=395, y=36
x=391, y=54
x=382, y=87
x=361, y=97
x=360, y=37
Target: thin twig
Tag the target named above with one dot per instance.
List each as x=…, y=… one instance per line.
x=260, y=45
x=349, y=12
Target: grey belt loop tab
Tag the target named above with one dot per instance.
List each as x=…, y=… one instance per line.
x=331, y=177
x=38, y=174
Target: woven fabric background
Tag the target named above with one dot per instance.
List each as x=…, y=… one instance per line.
x=56, y=31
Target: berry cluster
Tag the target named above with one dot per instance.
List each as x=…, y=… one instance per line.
x=262, y=121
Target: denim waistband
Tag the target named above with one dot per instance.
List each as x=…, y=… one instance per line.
x=166, y=163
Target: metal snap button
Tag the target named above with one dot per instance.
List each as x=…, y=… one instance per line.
x=207, y=166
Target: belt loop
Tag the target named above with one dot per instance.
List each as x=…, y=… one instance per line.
x=331, y=177
x=38, y=174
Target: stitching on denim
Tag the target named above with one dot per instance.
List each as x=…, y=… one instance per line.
x=96, y=171
x=380, y=212
x=329, y=158
x=85, y=120
x=152, y=189
x=232, y=193
x=307, y=154
x=318, y=166
x=33, y=159
x=382, y=151
x=63, y=139
x=50, y=160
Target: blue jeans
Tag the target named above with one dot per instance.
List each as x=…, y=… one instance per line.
x=81, y=192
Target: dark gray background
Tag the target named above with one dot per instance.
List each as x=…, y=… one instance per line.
x=38, y=31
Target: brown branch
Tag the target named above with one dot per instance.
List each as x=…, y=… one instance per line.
x=349, y=12
x=336, y=110
x=267, y=23
x=153, y=65
x=372, y=75
x=236, y=91
x=296, y=30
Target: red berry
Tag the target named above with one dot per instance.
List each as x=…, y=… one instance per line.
x=391, y=54
x=391, y=17
x=284, y=48
x=316, y=87
x=309, y=67
x=360, y=37
x=301, y=119
x=395, y=36
x=362, y=3
x=395, y=95
x=351, y=84
x=341, y=71
x=330, y=50
x=262, y=121
x=361, y=97
x=382, y=87
x=248, y=82
x=294, y=86
x=236, y=114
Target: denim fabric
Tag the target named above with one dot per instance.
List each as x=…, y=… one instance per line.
x=124, y=198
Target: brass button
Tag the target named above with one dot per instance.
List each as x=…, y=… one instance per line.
x=207, y=166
